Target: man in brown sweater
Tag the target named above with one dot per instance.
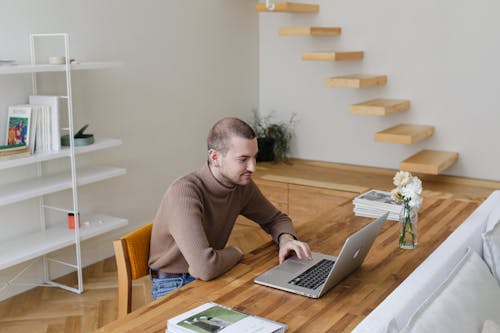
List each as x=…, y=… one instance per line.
x=198, y=212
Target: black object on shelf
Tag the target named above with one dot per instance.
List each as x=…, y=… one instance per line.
x=81, y=139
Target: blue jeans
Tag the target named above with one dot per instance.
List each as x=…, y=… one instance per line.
x=162, y=287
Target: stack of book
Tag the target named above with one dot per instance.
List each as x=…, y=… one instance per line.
x=35, y=125
x=376, y=203
x=12, y=151
x=213, y=317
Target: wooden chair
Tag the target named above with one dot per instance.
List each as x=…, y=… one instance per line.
x=132, y=255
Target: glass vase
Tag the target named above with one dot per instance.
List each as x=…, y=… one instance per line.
x=408, y=232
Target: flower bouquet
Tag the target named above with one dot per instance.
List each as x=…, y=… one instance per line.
x=408, y=191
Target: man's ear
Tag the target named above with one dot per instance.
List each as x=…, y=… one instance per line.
x=213, y=156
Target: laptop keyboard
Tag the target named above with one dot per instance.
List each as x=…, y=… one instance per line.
x=314, y=276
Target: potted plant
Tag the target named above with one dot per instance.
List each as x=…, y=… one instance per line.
x=273, y=138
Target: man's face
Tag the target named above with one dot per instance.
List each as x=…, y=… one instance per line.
x=238, y=164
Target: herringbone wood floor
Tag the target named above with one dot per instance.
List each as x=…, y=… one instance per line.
x=44, y=310
x=53, y=310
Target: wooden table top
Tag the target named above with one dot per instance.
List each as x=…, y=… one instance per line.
x=339, y=310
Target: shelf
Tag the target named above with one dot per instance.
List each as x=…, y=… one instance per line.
x=309, y=31
x=405, y=133
x=429, y=162
x=332, y=56
x=380, y=107
x=288, y=7
x=33, y=245
x=16, y=161
x=356, y=81
x=31, y=188
x=26, y=68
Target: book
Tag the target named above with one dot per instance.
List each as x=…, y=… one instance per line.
x=379, y=199
x=214, y=318
x=54, y=130
x=14, y=151
x=375, y=203
x=18, y=125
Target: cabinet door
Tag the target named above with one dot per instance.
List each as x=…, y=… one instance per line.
x=307, y=203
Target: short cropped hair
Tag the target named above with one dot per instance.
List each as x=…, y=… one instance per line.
x=221, y=133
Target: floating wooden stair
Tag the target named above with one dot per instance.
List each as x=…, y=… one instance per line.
x=309, y=31
x=380, y=107
x=429, y=162
x=332, y=56
x=405, y=133
x=288, y=7
x=356, y=81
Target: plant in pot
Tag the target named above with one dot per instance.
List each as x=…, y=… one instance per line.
x=273, y=138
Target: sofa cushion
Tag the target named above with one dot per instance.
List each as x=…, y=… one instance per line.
x=491, y=250
x=462, y=303
x=490, y=327
x=493, y=218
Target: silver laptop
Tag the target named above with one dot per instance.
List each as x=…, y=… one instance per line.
x=315, y=277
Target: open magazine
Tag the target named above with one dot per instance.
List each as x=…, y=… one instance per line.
x=215, y=318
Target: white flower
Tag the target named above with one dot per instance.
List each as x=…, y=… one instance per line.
x=401, y=178
x=408, y=189
x=415, y=201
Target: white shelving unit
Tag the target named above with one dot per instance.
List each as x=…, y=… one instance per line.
x=55, y=236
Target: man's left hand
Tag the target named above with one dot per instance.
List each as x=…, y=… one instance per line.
x=288, y=244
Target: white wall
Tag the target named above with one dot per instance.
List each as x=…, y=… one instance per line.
x=442, y=55
x=186, y=64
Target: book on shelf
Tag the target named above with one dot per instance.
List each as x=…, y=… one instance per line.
x=15, y=150
x=375, y=203
x=18, y=125
x=215, y=318
x=37, y=127
x=52, y=102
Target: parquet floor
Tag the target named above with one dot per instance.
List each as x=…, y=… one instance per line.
x=53, y=310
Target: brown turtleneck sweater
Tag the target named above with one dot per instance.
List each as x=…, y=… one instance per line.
x=195, y=219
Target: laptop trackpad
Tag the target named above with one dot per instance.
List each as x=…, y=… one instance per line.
x=293, y=265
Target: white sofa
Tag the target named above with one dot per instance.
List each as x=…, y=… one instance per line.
x=392, y=314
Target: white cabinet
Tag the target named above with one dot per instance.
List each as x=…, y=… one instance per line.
x=53, y=236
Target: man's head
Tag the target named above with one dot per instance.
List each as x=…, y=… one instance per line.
x=232, y=147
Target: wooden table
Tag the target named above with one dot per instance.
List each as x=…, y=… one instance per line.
x=344, y=306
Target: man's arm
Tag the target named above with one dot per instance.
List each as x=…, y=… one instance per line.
x=276, y=223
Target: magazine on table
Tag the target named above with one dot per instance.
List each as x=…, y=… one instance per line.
x=375, y=213
x=376, y=203
x=378, y=199
x=215, y=318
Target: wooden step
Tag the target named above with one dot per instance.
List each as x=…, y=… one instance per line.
x=405, y=133
x=309, y=31
x=380, y=107
x=333, y=56
x=429, y=161
x=356, y=81
x=288, y=7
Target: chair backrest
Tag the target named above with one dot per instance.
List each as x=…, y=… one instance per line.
x=132, y=255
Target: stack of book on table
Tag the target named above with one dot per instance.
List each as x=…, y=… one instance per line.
x=213, y=317
x=376, y=203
